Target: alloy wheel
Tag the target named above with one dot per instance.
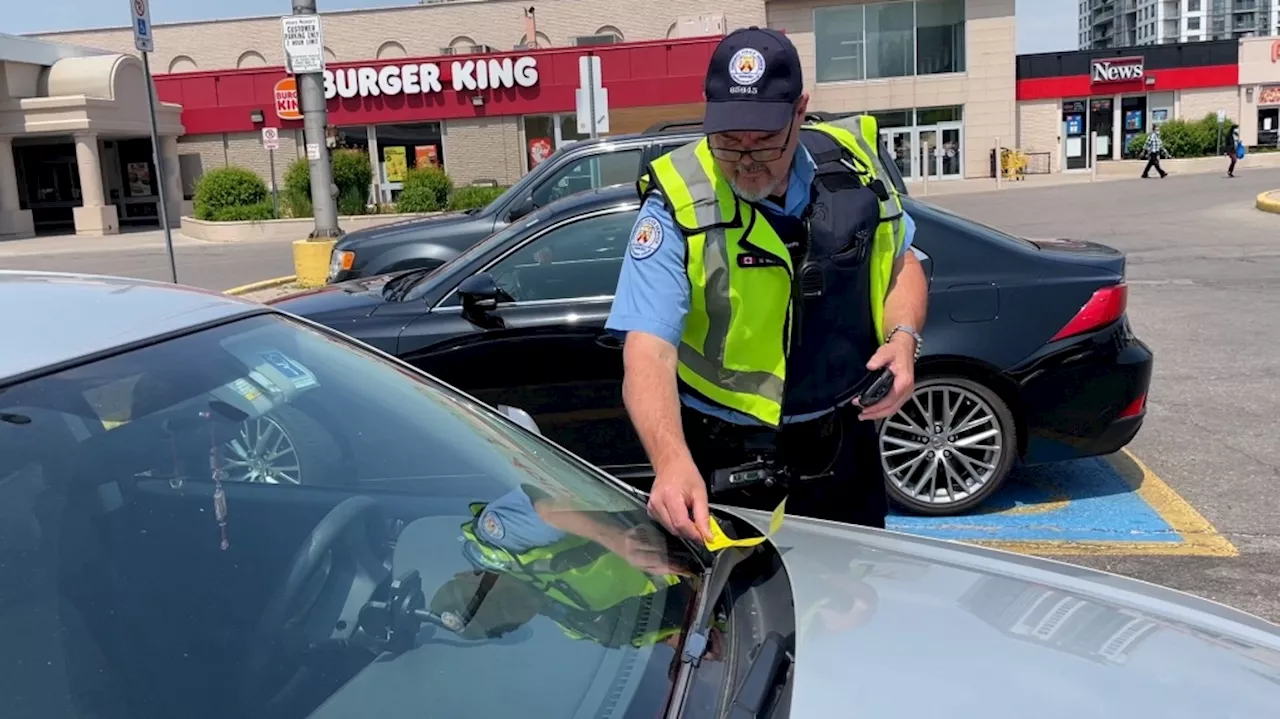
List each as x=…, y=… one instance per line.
x=262, y=452
x=944, y=448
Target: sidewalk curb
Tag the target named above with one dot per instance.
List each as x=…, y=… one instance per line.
x=1269, y=201
x=263, y=285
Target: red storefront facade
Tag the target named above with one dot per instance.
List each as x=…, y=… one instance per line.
x=1120, y=94
x=462, y=111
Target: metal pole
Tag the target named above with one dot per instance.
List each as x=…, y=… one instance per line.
x=158, y=160
x=926, y=167
x=1093, y=155
x=591, y=93
x=999, y=166
x=275, y=190
x=314, y=118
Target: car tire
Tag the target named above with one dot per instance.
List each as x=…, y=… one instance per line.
x=959, y=458
x=296, y=449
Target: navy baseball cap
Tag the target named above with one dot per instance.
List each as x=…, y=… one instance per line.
x=753, y=82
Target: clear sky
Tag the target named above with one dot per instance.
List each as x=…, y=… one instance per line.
x=1043, y=25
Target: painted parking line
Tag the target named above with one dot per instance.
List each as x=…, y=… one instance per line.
x=1101, y=506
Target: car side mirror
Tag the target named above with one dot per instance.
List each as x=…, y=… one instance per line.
x=522, y=208
x=479, y=292
x=520, y=417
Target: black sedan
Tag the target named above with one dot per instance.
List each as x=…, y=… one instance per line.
x=1028, y=352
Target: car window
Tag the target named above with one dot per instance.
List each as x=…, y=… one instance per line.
x=237, y=502
x=580, y=259
x=599, y=170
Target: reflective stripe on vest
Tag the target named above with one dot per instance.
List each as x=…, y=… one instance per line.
x=727, y=352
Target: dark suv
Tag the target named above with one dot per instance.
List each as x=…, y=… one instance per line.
x=431, y=241
x=590, y=164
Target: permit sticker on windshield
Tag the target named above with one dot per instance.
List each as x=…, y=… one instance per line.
x=300, y=376
x=719, y=540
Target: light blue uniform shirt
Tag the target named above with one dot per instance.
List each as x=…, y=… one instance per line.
x=653, y=289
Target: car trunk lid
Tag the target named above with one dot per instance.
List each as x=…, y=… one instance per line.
x=1083, y=252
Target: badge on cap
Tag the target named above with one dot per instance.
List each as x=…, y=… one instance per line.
x=492, y=526
x=647, y=238
x=746, y=67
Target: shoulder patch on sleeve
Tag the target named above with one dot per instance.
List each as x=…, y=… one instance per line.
x=646, y=239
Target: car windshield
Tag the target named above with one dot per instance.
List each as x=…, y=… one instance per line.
x=260, y=519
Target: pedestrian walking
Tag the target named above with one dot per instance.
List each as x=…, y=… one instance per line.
x=1154, y=149
x=1234, y=153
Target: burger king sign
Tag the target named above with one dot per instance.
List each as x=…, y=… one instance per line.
x=286, y=98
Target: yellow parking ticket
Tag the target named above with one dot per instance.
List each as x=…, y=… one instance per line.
x=720, y=541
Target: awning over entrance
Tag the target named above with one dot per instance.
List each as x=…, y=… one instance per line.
x=96, y=102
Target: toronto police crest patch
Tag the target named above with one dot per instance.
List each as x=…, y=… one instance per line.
x=646, y=239
x=746, y=67
x=492, y=526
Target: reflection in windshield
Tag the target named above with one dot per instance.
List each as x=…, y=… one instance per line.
x=260, y=520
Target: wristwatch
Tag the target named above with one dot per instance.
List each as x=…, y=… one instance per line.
x=910, y=331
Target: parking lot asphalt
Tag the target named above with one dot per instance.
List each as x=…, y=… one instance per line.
x=1204, y=274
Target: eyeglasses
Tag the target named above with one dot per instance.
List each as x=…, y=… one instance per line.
x=760, y=154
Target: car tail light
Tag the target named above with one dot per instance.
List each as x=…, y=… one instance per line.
x=1105, y=306
x=1136, y=407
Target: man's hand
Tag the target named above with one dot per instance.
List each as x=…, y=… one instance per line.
x=677, y=493
x=898, y=354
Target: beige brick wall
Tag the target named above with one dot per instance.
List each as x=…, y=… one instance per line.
x=483, y=149
x=1040, y=129
x=243, y=149
x=420, y=29
x=986, y=89
x=1195, y=104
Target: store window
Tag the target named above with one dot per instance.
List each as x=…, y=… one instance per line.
x=891, y=49
x=403, y=147
x=544, y=134
x=1133, y=115
x=889, y=39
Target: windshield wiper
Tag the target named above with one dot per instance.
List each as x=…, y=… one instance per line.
x=697, y=635
x=398, y=286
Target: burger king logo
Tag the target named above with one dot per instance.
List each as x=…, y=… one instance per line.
x=286, y=96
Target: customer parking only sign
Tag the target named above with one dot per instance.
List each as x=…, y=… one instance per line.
x=303, y=43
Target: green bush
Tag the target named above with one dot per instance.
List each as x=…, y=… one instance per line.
x=1201, y=138
x=466, y=198
x=244, y=213
x=228, y=187
x=296, y=197
x=426, y=189
x=352, y=173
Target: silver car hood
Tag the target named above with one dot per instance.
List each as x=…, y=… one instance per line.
x=896, y=626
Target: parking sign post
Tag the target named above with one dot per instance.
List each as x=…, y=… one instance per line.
x=144, y=41
x=304, y=58
x=271, y=141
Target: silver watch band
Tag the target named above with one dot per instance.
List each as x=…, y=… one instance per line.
x=911, y=332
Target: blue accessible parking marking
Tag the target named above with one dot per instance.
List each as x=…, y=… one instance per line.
x=1112, y=505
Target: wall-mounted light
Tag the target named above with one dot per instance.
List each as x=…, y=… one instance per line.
x=477, y=100
x=257, y=116
x=1248, y=94
x=1151, y=81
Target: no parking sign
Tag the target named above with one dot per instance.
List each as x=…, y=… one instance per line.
x=143, y=40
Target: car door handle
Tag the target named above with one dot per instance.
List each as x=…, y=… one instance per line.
x=609, y=342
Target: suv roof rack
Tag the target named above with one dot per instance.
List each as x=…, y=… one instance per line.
x=669, y=125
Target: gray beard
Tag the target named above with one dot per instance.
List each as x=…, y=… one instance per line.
x=757, y=195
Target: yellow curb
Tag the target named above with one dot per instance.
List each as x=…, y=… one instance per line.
x=263, y=285
x=1269, y=201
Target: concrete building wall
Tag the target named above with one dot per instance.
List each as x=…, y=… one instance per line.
x=483, y=149
x=413, y=31
x=1040, y=129
x=986, y=89
x=1195, y=104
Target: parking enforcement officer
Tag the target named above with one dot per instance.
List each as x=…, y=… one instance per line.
x=766, y=276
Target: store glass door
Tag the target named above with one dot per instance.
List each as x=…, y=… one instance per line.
x=941, y=144
x=1075, y=135
x=903, y=145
